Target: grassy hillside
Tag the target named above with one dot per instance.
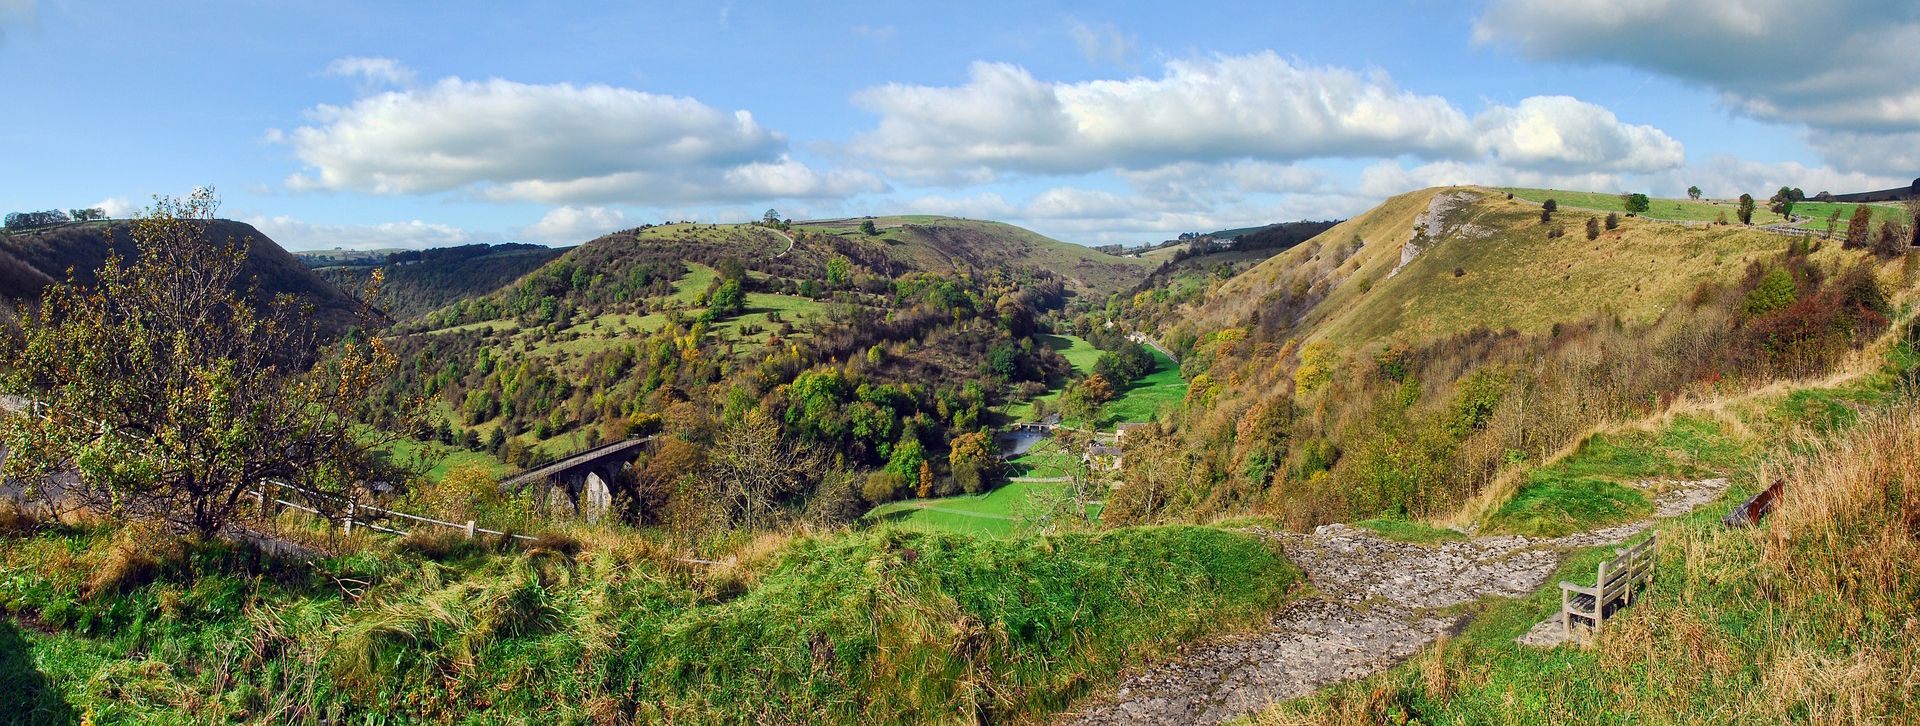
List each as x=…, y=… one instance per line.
x=946, y=243
x=1487, y=262
x=427, y=280
x=1807, y=618
x=880, y=627
x=1812, y=215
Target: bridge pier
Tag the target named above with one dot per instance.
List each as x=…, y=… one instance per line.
x=584, y=482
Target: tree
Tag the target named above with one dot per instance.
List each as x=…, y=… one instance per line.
x=771, y=217
x=971, y=460
x=754, y=471
x=866, y=227
x=1859, y=228
x=1781, y=203
x=1636, y=203
x=1084, y=400
x=727, y=301
x=174, y=392
x=1745, y=210
x=1693, y=193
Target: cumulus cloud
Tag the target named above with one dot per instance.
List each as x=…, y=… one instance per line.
x=1561, y=133
x=118, y=207
x=1101, y=42
x=372, y=71
x=1850, y=66
x=1261, y=107
x=558, y=143
x=1726, y=176
x=1886, y=154
x=1212, y=183
x=1387, y=178
x=573, y=225
x=296, y=234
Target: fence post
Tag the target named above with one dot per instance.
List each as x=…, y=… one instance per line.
x=349, y=524
x=469, y=529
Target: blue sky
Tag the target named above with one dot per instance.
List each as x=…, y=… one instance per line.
x=421, y=124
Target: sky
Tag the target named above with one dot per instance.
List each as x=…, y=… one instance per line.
x=421, y=124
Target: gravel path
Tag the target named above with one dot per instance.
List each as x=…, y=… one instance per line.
x=1375, y=603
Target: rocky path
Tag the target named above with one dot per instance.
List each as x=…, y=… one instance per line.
x=1375, y=603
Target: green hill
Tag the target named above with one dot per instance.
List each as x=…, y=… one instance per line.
x=928, y=242
x=1475, y=259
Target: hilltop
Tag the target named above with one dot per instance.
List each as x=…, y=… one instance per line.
x=927, y=242
x=33, y=259
x=1439, y=262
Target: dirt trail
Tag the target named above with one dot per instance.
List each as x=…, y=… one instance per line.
x=1375, y=603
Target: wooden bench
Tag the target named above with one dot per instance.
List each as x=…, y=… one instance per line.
x=1613, y=586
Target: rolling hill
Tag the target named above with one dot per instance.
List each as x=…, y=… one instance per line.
x=1443, y=261
x=933, y=243
x=421, y=281
x=32, y=260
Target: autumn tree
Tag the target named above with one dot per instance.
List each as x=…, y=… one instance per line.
x=174, y=390
x=1859, y=228
x=971, y=461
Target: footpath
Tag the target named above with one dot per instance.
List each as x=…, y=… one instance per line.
x=1374, y=602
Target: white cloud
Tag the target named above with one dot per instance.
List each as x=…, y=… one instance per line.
x=1846, y=64
x=118, y=207
x=295, y=234
x=372, y=71
x=1211, y=183
x=1003, y=121
x=574, y=225
x=1562, y=133
x=1887, y=154
x=1388, y=178
x=1725, y=176
x=559, y=143
x=1101, y=42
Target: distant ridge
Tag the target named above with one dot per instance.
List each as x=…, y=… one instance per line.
x=1896, y=194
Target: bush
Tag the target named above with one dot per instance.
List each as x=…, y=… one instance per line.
x=1776, y=291
x=1613, y=221
x=1593, y=228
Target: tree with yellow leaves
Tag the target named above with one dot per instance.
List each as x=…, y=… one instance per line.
x=174, y=389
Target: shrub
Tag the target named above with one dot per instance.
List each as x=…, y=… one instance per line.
x=1776, y=291
x=1613, y=221
x=1593, y=228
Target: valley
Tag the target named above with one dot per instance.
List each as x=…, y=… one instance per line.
x=943, y=470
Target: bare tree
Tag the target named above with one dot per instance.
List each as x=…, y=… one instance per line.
x=755, y=472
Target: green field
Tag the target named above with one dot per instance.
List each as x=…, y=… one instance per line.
x=1137, y=402
x=1708, y=210
x=1078, y=352
x=996, y=513
x=1142, y=399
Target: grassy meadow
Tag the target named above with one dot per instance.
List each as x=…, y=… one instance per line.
x=880, y=627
